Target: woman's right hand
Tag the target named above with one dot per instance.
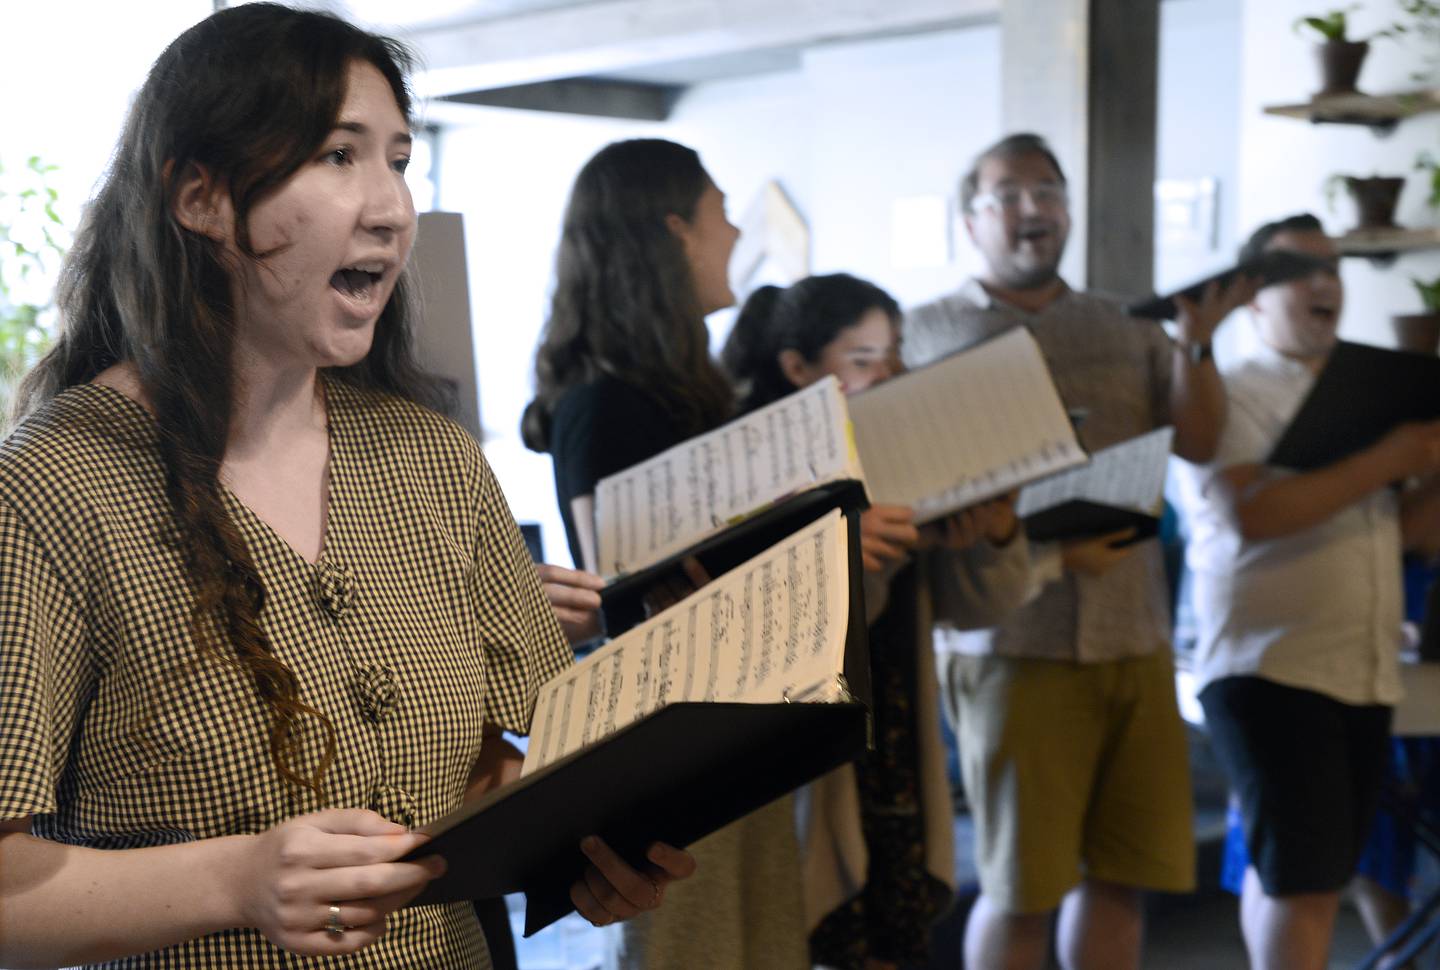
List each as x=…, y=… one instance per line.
x=1410, y=450
x=887, y=534
x=343, y=857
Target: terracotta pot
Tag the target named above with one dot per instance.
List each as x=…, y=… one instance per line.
x=1375, y=199
x=1417, y=332
x=1340, y=62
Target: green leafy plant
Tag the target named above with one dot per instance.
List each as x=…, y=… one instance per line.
x=33, y=240
x=1429, y=293
x=1425, y=24
x=1427, y=163
x=1333, y=26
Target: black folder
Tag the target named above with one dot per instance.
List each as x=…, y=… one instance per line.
x=1081, y=519
x=623, y=601
x=675, y=776
x=1272, y=266
x=1360, y=395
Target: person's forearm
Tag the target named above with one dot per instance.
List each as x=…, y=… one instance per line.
x=62, y=905
x=1274, y=508
x=1420, y=519
x=1197, y=407
x=980, y=586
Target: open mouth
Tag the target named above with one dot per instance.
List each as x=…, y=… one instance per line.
x=358, y=282
x=1032, y=233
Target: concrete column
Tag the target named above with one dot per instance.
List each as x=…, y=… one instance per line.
x=1083, y=73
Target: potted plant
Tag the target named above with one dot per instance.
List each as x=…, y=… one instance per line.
x=32, y=243
x=1340, y=57
x=1375, y=197
x=1420, y=332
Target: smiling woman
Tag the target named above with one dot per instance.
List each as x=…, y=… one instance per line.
x=262, y=611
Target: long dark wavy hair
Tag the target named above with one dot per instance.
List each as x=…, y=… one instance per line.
x=625, y=303
x=250, y=95
x=805, y=318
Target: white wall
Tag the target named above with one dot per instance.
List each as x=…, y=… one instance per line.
x=508, y=174
x=1197, y=136
x=1284, y=162
x=856, y=127
x=897, y=119
x=71, y=68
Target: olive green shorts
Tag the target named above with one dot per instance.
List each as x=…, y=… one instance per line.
x=1073, y=771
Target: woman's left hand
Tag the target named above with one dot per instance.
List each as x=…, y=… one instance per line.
x=887, y=534
x=611, y=890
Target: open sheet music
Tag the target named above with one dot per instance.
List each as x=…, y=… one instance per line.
x=668, y=503
x=773, y=630
x=1129, y=475
x=682, y=725
x=964, y=429
x=1120, y=491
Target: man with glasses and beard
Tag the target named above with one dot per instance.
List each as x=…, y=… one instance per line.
x=1072, y=749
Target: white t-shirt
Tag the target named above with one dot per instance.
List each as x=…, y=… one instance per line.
x=1320, y=610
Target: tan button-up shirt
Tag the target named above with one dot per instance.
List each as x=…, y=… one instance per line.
x=1115, y=371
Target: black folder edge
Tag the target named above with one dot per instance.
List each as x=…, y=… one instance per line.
x=623, y=601
x=1273, y=266
x=675, y=776
x=1081, y=519
x=1358, y=397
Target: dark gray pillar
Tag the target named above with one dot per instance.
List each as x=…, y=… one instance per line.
x=1083, y=73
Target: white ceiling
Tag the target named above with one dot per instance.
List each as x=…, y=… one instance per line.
x=469, y=45
x=414, y=15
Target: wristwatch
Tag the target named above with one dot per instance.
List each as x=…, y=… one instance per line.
x=1197, y=352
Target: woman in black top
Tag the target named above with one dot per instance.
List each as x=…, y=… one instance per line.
x=624, y=372
x=624, y=368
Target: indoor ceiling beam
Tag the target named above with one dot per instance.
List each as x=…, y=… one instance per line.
x=615, y=35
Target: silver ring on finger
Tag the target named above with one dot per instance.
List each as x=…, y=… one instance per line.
x=333, y=926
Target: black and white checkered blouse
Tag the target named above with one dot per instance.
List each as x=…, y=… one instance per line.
x=422, y=619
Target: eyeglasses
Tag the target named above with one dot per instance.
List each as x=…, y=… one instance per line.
x=1045, y=195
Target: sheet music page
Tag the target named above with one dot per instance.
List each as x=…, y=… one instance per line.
x=772, y=629
x=690, y=492
x=966, y=428
x=1130, y=475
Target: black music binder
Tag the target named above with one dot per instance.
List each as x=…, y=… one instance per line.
x=623, y=601
x=1080, y=519
x=1272, y=266
x=1361, y=394
x=675, y=775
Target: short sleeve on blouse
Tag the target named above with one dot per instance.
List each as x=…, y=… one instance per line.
x=42, y=673
x=525, y=647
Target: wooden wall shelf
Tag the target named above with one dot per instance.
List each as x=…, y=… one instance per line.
x=1387, y=243
x=1379, y=111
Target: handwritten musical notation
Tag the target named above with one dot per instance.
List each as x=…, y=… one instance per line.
x=969, y=427
x=690, y=492
x=771, y=630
